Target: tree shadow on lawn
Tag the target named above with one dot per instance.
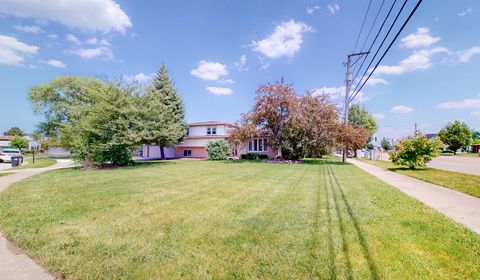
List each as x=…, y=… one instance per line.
x=395, y=169
x=322, y=161
x=339, y=197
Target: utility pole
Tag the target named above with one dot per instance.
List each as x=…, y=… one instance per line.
x=415, y=134
x=348, y=84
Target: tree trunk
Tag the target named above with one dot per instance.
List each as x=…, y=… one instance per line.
x=162, y=152
x=148, y=150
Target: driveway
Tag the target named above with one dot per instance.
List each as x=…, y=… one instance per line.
x=469, y=165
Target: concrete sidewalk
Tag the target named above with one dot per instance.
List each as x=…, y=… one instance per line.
x=460, y=207
x=14, y=264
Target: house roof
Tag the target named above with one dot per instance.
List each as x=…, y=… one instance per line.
x=208, y=123
x=7, y=138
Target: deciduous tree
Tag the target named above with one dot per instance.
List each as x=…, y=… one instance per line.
x=14, y=131
x=19, y=143
x=93, y=119
x=456, y=135
x=415, y=151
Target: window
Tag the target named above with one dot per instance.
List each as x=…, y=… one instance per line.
x=187, y=153
x=258, y=145
x=211, y=130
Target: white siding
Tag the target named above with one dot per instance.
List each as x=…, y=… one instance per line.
x=4, y=143
x=202, y=130
x=198, y=142
x=154, y=151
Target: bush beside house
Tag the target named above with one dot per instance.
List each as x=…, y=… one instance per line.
x=218, y=150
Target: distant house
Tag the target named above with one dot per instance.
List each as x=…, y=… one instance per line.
x=476, y=148
x=198, y=136
x=5, y=141
x=431, y=135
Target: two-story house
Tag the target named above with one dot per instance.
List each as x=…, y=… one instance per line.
x=197, y=138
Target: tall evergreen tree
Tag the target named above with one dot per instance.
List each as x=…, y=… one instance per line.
x=162, y=114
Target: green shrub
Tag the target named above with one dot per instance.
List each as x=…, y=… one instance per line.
x=415, y=151
x=218, y=150
x=262, y=156
x=447, y=152
x=249, y=156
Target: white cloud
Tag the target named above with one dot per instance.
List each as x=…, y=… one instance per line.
x=419, y=39
x=210, y=71
x=419, y=60
x=373, y=81
x=89, y=53
x=461, y=104
x=91, y=15
x=476, y=113
x=240, y=65
x=220, y=90
x=378, y=116
x=140, y=78
x=286, y=40
x=263, y=64
x=401, y=109
x=12, y=51
x=333, y=8
x=337, y=94
x=465, y=12
x=55, y=63
x=52, y=36
x=465, y=55
x=312, y=10
x=226, y=81
x=72, y=38
x=28, y=29
x=95, y=41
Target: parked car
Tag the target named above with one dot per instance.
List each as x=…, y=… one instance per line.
x=7, y=154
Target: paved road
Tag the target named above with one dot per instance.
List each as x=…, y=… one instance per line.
x=458, y=206
x=14, y=264
x=469, y=165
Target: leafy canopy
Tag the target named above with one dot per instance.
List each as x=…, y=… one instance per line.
x=359, y=116
x=415, y=151
x=218, y=150
x=456, y=135
x=91, y=118
x=386, y=144
x=19, y=143
x=14, y=131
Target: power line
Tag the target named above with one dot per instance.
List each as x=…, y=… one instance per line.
x=363, y=23
x=383, y=41
x=391, y=44
x=368, y=36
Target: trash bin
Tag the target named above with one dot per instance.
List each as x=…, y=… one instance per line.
x=16, y=161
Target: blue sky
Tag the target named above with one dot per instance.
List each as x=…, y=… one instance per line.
x=218, y=52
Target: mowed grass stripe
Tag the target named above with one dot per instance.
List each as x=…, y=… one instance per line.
x=203, y=219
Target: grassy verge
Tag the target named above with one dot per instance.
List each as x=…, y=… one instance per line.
x=40, y=162
x=466, y=183
x=245, y=220
x=4, y=174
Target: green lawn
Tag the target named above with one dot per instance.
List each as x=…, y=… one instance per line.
x=40, y=161
x=4, y=174
x=466, y=183
x=460, y=154
x=234, y=220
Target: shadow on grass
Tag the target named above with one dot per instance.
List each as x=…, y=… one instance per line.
x=361, y=238
x=394, y=169
x=150, y=163
x=321, y=161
